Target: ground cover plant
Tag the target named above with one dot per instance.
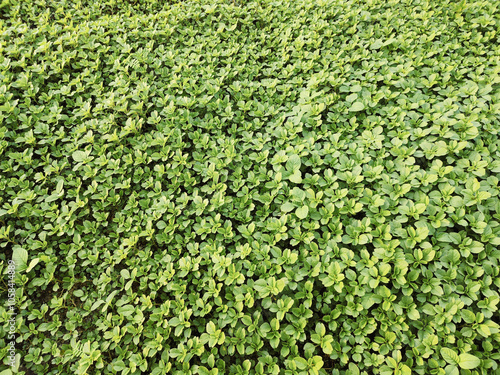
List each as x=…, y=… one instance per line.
x=274, y=187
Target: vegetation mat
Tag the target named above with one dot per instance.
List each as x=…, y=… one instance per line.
x=274, y=187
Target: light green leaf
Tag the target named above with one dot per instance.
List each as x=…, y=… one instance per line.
x=351, y=98
x=356, y=88
x=450, y=356
x=126, y=310
x=413, y=314
x=302, y=212
x=353, y=369
x=377, y=44
x=301, y=363
x=468, y=361
x=451, y=370
x=293, y=163
x=298, y=194
x=484, y=330
x=119, y=366
x=211, y=360
x=468, y=316
x=79, y=156
x=356, y=107
x=211, y=329
x=405, y=370
x=59, y=187
x=296, y=177
x=32, y=264
x=20, y=258
x=287, y=207
x=51, y=198
x=327, y=348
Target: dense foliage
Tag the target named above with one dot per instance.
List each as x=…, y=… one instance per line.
x=273, y=187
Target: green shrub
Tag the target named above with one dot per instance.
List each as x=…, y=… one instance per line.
x=273, y=187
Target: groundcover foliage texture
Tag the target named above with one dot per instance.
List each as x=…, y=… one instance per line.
x=306, y=187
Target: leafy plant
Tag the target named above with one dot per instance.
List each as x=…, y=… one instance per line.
x=250, y=187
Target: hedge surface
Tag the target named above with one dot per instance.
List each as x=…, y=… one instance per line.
x=273, y=187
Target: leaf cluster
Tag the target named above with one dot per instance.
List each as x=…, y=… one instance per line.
x=262, y=187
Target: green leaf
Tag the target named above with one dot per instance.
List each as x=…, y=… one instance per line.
x=51, y=198
x=301, y=363
x=246, y=320
x=405, y=370
x=298, y=194
x=79, y=156
x=468, y=361
x=293, y=163
x=211, y=360
x=296, y=177
x=450, y=356
x=126, y=310
x=211, y=328
x=302, y=212
x=32, y=264
x=484, y=330
x=468, y=316
x=20, y=258
x=352, y=98
x=353, y=369
x=451, y=370
x=356, y=107
x=119, y=366
x=413, y=314
x=287, y=207
x=59, y=187
x=356, y=88
x=377, y=44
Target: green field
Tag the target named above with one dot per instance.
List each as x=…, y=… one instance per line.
x=249, y=187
